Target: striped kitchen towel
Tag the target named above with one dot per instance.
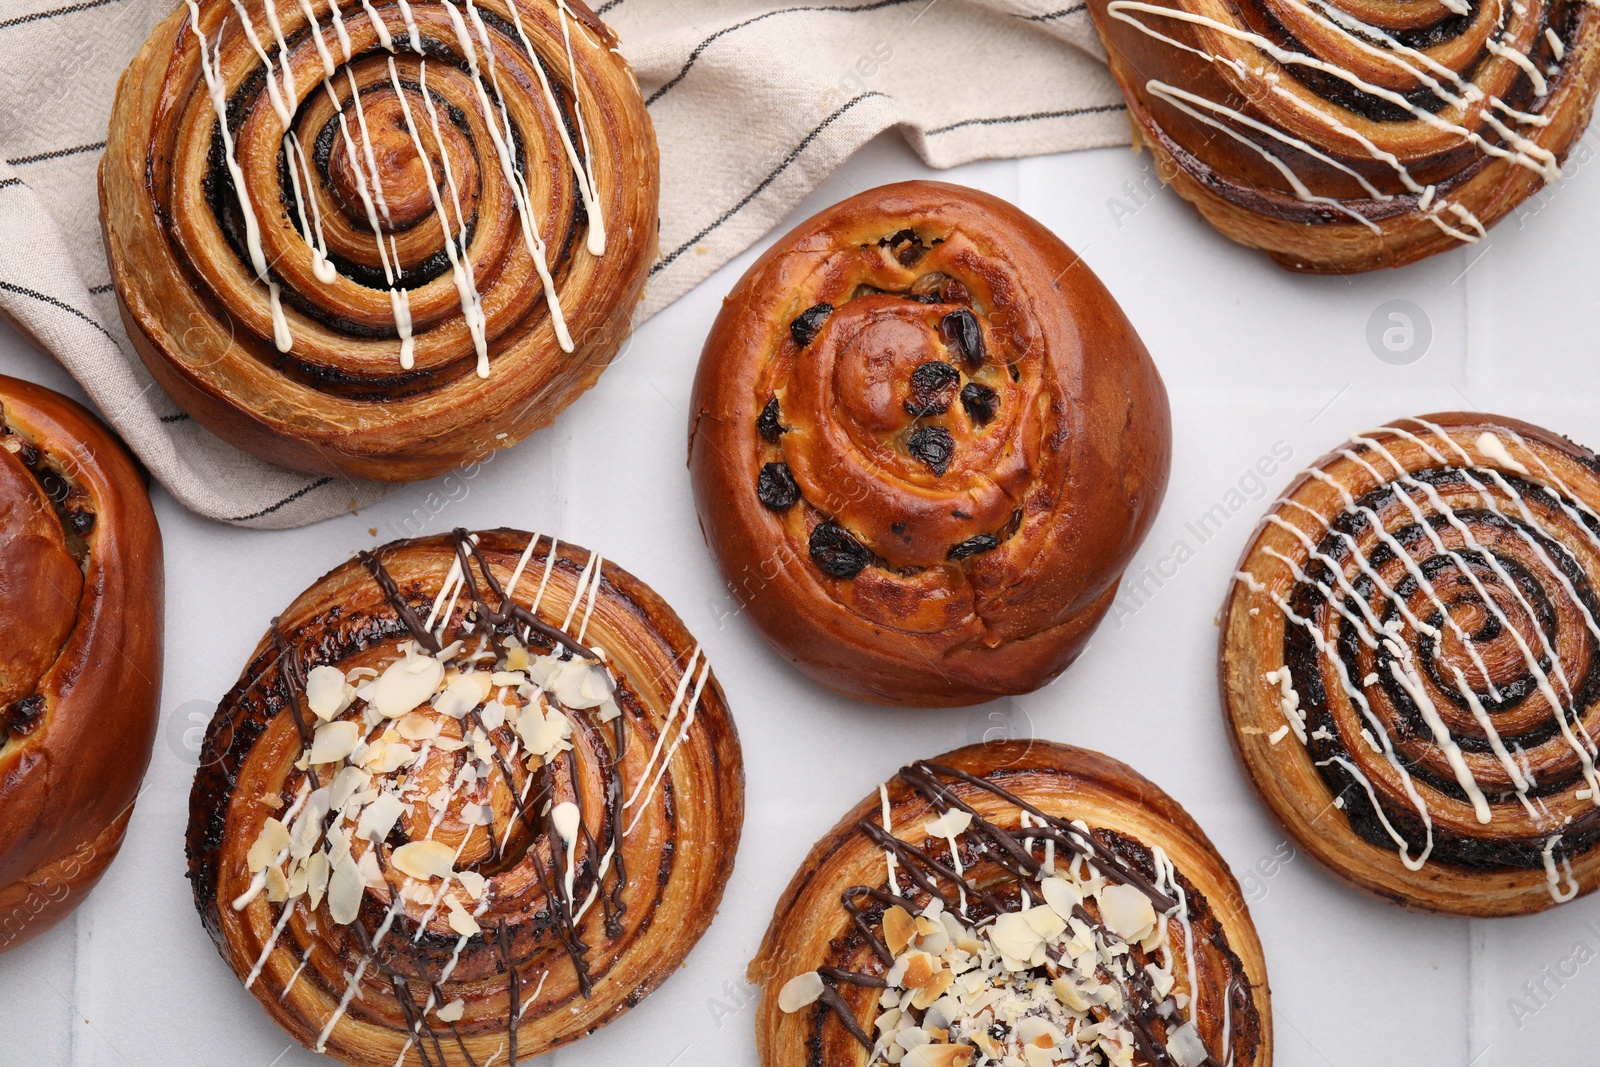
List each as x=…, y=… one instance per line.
x=754, y=104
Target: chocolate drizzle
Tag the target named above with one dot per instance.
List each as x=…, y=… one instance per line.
x=941, y=787
x=391, y=593
x=495, y=622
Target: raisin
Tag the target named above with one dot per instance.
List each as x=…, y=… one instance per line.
x=963, y=335
x=931, y=383
x=80, y=521
x=907, y=247
x=980, y=401
x=923, y=298
x=836, y=552
x=29, y=455
x=767, y=424
x=775, y=486
x=805, y=326
x=24, y=715
x=973, y=546
x=934, y=446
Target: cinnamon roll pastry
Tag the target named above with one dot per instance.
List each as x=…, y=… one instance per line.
x=925, y=443
x=474, y=797
x=1344, y=135
x=80, y=672
x=1409, y=664
x=1023, y=903
x=378, y=238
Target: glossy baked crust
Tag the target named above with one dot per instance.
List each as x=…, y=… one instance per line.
x=1035, y=807
x=924, y=444
x=1356, y=135
x=585, y=825
x=80, y=675
x=1409, y=667
x=407, y=357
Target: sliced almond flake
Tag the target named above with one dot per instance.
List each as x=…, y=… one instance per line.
x=1126, y=911
x=898, y=929
x=472, y=882
x=1017, y=940
x=799, y=991
x=277, y=885
x=405, y=685
x=452, y=1011
x=379, y=817
x=273, y=839
x=371, y=872
x=460, y=921
x=338, y=845
x=423, y=860
x=1045, y=922
x=345, y=785
x=297, y=879
x=494, y=715
x=317, y=871
x=579, y=684
x=333, y=741
x=345, y=888
x=418, y=726
x=396, y=756
x=325, y=692
x=952, y=823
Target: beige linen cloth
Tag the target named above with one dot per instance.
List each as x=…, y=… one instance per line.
x=754, y=104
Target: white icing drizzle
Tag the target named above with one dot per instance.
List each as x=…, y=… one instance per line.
x=282, y=94
x=1407, y=490
x=460, y=265
x=1167, y=882
x=217, y=92
x=1558, y=892
x=683, y=734
x=1459, y=96
x=888, y=828
x=513, y=176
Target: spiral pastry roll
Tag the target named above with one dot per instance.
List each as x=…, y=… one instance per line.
x=80, y=671
x=925, y=443
x=378, y=238
x=1343, y=135
x=1021, y=903
x=474, y=797
x=1409, y=664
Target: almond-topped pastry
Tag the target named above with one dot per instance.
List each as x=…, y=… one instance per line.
x=81, y=593
x=925, y=442
x=474, y=797
x=1024, y=904
x=1411, y=663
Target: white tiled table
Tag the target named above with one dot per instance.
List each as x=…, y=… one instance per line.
x=1252, y=356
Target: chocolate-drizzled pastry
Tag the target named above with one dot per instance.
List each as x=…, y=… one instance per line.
x=1011, y=897
x=474, y=797
x=1343, y=135
x=378, y=238
x=925, y=444
x=80, y=667
x=1409, y=663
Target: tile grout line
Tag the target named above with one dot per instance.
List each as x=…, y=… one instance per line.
x=80, y=1048
x=1478, y=1027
